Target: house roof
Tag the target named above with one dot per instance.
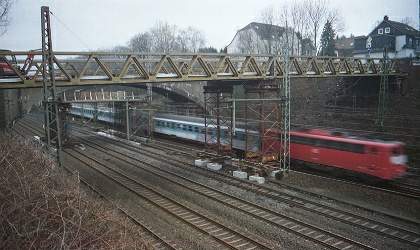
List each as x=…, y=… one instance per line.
x=264, y=31
x=401, y=27
x=404, y=28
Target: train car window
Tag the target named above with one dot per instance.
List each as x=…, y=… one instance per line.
x=240, y=136
x=296, y=139
x=321, y=143
x=189, y=128
x=343, y=146
x=184, y=127
x=178, y=125
x=357, y=148
x=195, y=129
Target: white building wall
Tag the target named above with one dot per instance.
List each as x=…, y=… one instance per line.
x=261, y=46
x=399, y=42
x=405, y=53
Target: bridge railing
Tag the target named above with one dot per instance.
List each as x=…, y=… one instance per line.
x=91, y=68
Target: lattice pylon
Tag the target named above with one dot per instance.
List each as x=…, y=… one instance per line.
x=52, y=123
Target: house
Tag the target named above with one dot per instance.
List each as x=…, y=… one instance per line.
x=343, y=46
x=400, y=40
x=261, y=38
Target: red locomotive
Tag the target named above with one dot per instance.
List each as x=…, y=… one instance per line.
x=382, y=159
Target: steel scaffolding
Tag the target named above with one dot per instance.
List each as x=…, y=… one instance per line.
x=217, y=119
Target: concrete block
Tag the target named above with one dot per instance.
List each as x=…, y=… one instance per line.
x=240, y=174
x=214, y=166
x=256, y=178
x=200, y=163
x=273, y=173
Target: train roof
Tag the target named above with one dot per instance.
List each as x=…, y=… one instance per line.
x=195, y=121
x=342, y=136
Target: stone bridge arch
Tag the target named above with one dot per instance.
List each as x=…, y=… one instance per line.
x=177, y=92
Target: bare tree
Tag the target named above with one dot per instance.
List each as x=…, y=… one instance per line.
x=336, y=20
x=408, y=20
x=269, y=16
x=299, y=21
x=247, y=42
x=141, y=42
x=197, y=39
x=164, y=38
x=190, y=40
x=284, y=20
x=317, y=13
x=5, y=6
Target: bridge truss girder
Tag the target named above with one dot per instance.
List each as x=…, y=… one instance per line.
x=101, y=68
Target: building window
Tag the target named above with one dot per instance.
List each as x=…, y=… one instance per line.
x=387, y=30
x=380, y=31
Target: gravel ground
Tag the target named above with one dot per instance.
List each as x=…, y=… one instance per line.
x=389, y=203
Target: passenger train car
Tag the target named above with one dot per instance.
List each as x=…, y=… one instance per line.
x=104, y=114
x=382, y=159
x=192, y=128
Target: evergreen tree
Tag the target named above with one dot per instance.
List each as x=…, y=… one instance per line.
x=327, y=40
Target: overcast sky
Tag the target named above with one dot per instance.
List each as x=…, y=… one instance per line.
x=93, y=24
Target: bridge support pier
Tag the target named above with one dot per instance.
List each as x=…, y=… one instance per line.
x=262, y=114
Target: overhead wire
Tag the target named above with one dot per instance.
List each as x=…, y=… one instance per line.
x=87, y=47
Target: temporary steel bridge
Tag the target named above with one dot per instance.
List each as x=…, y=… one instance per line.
x=106, y=68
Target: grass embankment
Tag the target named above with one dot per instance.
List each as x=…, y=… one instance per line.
x=43, y=207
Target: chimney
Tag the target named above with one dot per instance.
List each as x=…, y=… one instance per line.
x=386, y=18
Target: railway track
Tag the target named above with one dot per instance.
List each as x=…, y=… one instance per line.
x=403, y=189
x=381, y=228
x=228, y=237
x=289, y=224
x=400, y=188
x=409, y=188
x=155, y=239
